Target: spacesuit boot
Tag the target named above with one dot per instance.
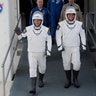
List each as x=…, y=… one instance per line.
x=68, y=75
x=75, y=80
x=41, y=83
x=33, y=84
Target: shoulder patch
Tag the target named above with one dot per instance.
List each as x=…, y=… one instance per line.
x=58, y=27
x=48, y=32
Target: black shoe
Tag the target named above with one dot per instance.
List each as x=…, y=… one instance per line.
x=76, y=84
x=67, y=84
x=32, y=92
x=41, y=84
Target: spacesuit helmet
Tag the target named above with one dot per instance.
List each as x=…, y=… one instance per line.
x=70, y=10
x=37, y=16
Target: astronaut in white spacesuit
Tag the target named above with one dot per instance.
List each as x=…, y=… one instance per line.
x=70, y=33
x=39, y=45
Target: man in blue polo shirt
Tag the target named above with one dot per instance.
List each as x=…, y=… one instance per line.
x=46, y=15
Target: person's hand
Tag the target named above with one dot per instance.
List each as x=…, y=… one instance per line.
x=48, y=53
x=60, y=49
x=18, y=31
x=84, y=47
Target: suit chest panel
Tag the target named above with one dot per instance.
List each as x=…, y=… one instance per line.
x=67, y=31
x=36, y=36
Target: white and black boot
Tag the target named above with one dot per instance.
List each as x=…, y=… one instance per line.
x=41, y=83
x=33, y=84
x=75, y=79
x=68, y=82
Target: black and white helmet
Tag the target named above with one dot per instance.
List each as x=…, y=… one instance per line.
x=69, y=10
x=37, y=15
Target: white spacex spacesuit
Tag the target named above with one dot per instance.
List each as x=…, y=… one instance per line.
x=68, y=37
x=39, y=45
x=37, y=38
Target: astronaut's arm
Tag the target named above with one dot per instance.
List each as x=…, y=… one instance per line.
x=83, y=38
x=49, y=44
x=58, y=38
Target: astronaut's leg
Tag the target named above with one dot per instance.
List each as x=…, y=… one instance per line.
x=75, y=79
x=33, y=72
x=76, y=66
x=33, y=85
x=41, y=83
x=66, y=56
x=42, y=69
x=68, y=82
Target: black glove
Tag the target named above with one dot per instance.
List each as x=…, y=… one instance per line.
x=18, y=31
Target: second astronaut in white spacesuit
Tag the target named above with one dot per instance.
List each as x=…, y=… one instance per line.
x=68, y=36
x=39, y=45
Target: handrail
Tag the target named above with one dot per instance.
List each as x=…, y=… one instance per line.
x=4, y=61
x=92, y=37
x=11, y=62
x=92, y=24
x=89, y=21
